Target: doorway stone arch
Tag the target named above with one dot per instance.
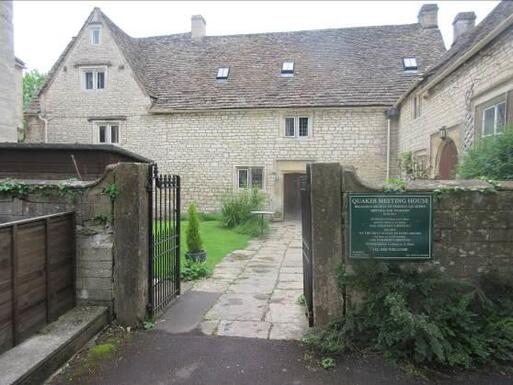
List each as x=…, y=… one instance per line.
x=446, y=160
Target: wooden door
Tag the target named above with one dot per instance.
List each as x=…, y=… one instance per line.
x=292, y=196
x=448, y=161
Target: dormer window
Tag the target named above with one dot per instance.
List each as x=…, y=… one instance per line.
x=410, y=64
x=95, y=33
x=222, y=73
x=287, y=68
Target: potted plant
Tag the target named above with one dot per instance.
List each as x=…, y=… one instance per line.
x=194, y=253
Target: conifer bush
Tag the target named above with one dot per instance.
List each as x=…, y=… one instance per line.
x=423, y=317
x=194, y=243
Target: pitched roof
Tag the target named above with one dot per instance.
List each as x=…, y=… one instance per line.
x=359, y=66
x=462, y=45
x=466, y=42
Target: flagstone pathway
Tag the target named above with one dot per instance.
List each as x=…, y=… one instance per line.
x=261, y=286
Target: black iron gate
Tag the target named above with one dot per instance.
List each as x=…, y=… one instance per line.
x=306, y=225
x=164, y=242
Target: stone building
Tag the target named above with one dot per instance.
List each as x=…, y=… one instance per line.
x=8, y=101
x=238, y=111
x=468, y=94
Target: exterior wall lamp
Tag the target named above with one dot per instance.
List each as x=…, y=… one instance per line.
x=443, y=133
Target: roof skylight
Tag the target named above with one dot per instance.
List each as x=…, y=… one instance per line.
x=222, y=73
x=410, y=64
x=287, y=68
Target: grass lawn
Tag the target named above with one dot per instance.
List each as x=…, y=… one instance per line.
x=217, y=241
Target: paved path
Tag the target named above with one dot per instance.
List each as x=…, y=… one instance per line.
x=260, y=289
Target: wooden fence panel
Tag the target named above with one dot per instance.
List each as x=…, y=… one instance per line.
x=37, y=274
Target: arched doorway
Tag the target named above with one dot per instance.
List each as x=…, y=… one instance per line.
x=448, y=159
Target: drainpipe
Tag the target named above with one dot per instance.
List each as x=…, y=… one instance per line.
x=388, y=148
x=45, y=121
x=391, y=113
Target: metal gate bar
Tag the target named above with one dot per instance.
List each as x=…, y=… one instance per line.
x=306, y=228
x=164, y=239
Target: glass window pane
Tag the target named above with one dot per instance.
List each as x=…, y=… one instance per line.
x=289, y=127
x=287, y=66
x=257, y=177
x=95, y=36
x=501, y=117
x=488, y=121
x=303, y=126
x=243, y=178
x=89, y=80
x=103, y=134
x=114, y=134
x=100, y=80
x=222, y=73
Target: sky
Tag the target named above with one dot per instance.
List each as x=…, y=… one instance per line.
x=42, y=29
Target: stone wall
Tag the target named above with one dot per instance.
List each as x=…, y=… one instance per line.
x=472, y=228
x=488, y=74
x=111, y=236
x=205, y=149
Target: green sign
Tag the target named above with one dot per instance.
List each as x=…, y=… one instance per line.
x=390, y=226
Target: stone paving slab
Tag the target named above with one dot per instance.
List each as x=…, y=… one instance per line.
x=238, y=307
x=250, y=329
x=287, y=331
x=260, y=287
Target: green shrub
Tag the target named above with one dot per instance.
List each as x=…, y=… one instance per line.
x=253, y=226
x=194, y=270
x=423, y=318
x=194, y=243
x=237, y=206
x=490, y=158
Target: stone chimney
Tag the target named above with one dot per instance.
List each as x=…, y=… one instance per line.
x=428, y=16
x=463, y=23
x=198, y=27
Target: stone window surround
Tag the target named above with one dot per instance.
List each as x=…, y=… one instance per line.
x=236, y=176
x=488, y=100
x=495, y=108
x=296, y=126
x=109, y=124
x=92, y=29
x=95, y=69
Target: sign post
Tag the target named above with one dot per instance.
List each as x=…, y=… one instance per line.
x=390, y=226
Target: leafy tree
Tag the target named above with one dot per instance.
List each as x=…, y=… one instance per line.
x=32, y=82
x=490, y=158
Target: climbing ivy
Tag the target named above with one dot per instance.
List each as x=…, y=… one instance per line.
x=16, y=189
x=394, y=185
x=112, y=191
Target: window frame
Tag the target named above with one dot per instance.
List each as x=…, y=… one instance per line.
x=92, y=30
x=220, y=75
x=495, y=108
x=487, y=102
x=410, y=68
x=297, y=119
x=95, y=70
x=285, y=70
x=249, y=177
x=108, y=132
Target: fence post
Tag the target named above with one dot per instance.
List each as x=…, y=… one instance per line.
x=326, y=206
x=14, y=286
x=47, y=268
